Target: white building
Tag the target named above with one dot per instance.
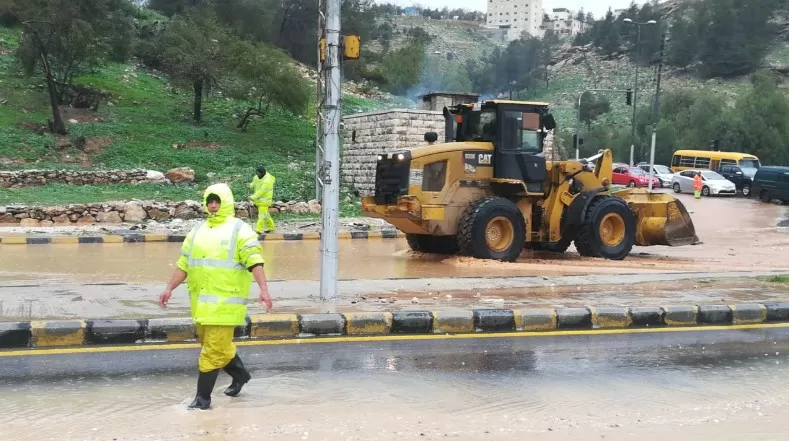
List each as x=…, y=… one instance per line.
x=563, y=23
x=517, y=16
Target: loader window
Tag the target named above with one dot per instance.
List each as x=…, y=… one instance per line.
x=520, y=132
x=479, y=126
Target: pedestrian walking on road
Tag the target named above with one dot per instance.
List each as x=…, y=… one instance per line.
x=697, y=185
x=262, y=186
x=216, y=260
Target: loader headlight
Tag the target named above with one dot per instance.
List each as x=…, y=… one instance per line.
x=400, y=156
x=380, y=157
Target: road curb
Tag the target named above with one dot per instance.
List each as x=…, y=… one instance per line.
x=66, y=333
x=175, y=238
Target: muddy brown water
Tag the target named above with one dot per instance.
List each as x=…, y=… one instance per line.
x=738, y=235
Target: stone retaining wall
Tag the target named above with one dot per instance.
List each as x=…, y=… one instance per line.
x=31, y=178
x=132, y=212
x=382, y=132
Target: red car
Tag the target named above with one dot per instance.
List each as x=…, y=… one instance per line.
x=632, y=177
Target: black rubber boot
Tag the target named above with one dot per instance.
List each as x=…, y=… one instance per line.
x=205, y=385
x=240, y=376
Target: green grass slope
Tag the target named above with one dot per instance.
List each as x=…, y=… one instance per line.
x=147, y=124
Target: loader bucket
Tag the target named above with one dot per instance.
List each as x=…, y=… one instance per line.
x=661, y=219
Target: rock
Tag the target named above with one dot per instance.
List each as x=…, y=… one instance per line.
x=62, y=219
x=300, y=208
x=7, y=219
x=314, y=206
x=46, y=223
x=86, y=220
x=29, y=222
x=73, y=121
x=181, y=174
x=184, y=211
x=110, y=217
x=159, y=215
x=242, y=214
x=155, y=176
x=273, y=210
x=133, y=212
x=2, y=210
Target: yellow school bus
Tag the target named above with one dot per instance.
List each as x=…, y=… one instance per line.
x=690, y=159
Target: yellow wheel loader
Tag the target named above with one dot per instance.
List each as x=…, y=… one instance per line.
x=489, y=192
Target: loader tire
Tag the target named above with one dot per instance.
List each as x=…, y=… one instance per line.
x=432, y=244
x=492, y=228
x=609, y=230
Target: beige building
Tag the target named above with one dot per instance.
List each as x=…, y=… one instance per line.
x=517, y=16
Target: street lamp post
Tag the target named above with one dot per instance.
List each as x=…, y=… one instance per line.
x=635, y=86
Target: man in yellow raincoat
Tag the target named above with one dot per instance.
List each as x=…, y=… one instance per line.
x=216, y=260
x=262, y=186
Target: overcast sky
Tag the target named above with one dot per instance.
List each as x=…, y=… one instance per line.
x=597, y=7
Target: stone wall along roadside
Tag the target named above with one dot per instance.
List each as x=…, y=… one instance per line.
x=42, y=334
x=34, y=178
x=367, y=135
x=133, y=212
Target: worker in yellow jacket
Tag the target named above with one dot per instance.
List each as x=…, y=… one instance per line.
x=216, y=260
x=262, y=186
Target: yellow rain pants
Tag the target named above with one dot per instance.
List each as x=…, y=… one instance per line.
x=217, y=346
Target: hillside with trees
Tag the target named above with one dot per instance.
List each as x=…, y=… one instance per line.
x=222, y=85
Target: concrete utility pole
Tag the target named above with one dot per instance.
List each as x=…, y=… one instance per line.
x=657, y=113
x=330, y=166
x=635, y=86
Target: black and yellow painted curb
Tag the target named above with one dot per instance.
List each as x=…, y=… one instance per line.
x=140, y=238
x=49, y=334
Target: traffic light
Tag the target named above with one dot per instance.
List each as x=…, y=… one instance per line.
x=715, y=145
x=629, y=97
x=577, y=141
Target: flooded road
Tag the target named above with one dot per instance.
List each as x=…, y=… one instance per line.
x=695, y=386
x=738, y=235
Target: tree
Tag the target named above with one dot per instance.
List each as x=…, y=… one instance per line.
x=759, y=124
x=607, y=35
x=172, y=7
x=549, y=44
x=736, y=36
x=63, y=37
x=593, y=107
x=263, y=72
x=402, y=68
x=195, y=50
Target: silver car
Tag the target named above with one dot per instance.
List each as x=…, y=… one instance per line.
x=714, y=183
x=663, y=173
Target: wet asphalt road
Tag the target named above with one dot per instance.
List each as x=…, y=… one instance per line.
x=696, y=385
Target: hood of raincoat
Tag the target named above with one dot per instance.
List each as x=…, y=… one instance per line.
x=227, y=207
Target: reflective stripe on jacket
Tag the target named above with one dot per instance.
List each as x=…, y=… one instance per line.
x=263, y=190
x=216, y=256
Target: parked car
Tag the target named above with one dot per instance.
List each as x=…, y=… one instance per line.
x=714, y=183
x=663, y=173
x=742, y=177
x=771, y=183
x=632, y=176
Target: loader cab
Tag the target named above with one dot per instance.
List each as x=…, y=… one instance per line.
x=517, y=131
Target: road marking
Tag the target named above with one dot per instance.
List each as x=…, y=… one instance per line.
x=376, y=338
